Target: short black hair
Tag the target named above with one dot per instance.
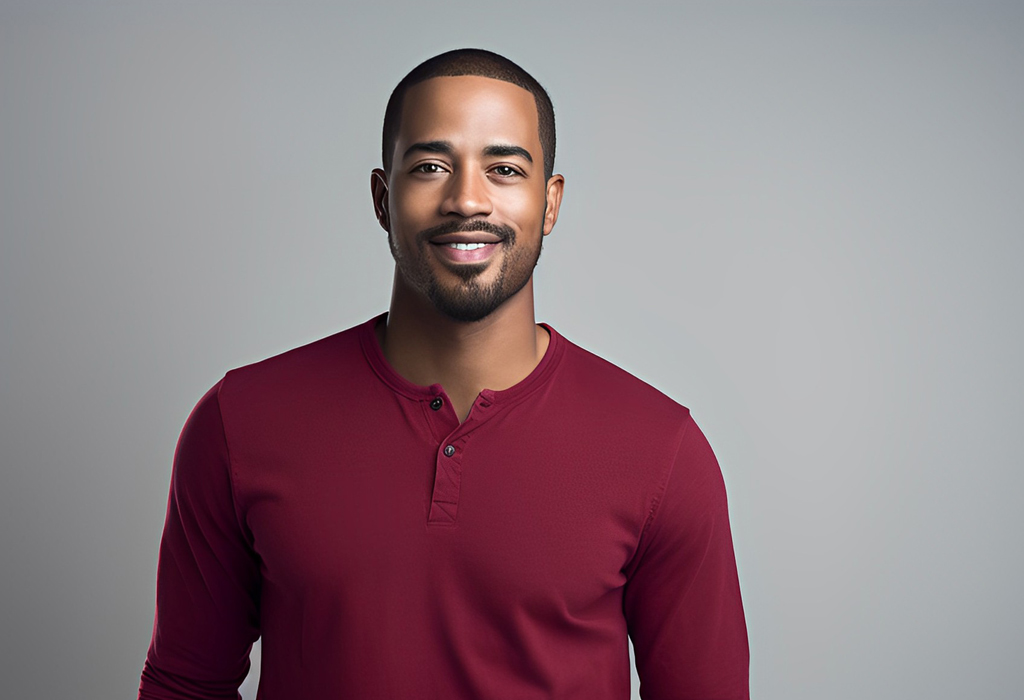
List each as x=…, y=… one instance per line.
x=486, y=64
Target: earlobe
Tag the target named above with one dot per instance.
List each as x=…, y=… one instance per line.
x=379, y=191
x=555, y=186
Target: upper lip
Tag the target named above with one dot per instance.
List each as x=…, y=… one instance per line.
x=466, y=237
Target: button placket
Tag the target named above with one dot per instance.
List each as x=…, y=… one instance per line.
x=444, y=501
x=438, y=415
x=450, y=450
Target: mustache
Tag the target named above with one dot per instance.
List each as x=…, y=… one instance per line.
x=505, y=233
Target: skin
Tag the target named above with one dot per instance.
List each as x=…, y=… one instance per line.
x=465, y=181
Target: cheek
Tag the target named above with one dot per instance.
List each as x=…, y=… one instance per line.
x=526, y=208
x=411, y=209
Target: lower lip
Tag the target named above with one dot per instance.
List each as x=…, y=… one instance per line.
x=466, y=256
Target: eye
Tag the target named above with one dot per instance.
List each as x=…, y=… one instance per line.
x=506, y=171
x=428, y=168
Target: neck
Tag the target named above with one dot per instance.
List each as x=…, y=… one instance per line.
x=497, y=352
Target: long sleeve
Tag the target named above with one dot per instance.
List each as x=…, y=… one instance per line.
x=207, y=593
x=682, y=598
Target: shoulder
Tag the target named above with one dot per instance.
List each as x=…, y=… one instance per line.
x=624, y=420
x=602, y=385
x=299, y=369
x=284, y=389
x=623, y=417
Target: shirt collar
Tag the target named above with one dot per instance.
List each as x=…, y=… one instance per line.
x=535, y=379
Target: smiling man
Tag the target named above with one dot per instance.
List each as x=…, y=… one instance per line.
x=486, y=230
x=449, y=500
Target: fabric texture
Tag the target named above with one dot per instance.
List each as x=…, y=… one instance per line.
x=383, y=549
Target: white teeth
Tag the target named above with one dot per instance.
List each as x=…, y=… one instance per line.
x=466, y=246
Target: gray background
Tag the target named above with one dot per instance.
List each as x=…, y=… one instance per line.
x=802, y=220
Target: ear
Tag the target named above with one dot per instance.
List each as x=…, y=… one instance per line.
x=379, y=190
x=554, y=200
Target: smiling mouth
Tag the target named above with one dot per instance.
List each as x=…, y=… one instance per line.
x=466, y=246
x=462, y=252
x=460, y=244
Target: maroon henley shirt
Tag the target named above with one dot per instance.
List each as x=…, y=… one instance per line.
x=383, y=550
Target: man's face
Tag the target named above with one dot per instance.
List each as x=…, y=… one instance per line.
x=466, y=204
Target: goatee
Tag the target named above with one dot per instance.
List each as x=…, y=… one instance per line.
x=468, y=300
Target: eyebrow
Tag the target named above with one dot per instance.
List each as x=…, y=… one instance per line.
x=508, y=150
x=445, y=148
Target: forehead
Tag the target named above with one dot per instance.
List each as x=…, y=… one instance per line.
x=469, y=110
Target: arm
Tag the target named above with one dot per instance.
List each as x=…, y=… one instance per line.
x=207, y=591
x=682, y=598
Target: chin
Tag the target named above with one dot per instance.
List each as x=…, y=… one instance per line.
x=466, y=308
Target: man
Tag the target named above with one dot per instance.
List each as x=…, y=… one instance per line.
x=449, y=500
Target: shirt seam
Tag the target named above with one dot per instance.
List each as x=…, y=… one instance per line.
x=239, y=520
x=659, y=495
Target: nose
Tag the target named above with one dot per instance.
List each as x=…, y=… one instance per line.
x=467, y=195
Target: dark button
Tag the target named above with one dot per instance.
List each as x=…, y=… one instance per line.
x=437, y=403
x=449, y=451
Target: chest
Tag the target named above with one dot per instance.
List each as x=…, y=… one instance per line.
x=517, y=514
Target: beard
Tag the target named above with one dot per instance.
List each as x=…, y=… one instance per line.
x=468, y=300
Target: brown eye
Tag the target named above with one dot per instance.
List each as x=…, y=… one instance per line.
x=506, y=171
